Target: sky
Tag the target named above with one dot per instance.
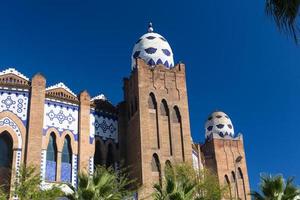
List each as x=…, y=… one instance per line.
x=236, y=61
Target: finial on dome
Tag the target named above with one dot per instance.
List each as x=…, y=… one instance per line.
x=150, y=27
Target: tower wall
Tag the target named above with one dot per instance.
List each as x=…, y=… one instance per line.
x=171, y=128
x=220, y=156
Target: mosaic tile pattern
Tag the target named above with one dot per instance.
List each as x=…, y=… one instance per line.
x=15, y=102
x=61, y=116
x=66, y=169
x=6, y=121
x=103, y=125
x=50, y=170
x=153, y=49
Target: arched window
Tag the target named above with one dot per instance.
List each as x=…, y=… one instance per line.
x=227, y=181
x=234, y=180
x=153, y=121
x=156, y=169
x=152, y=101
x=241, y=176
x=66, y=160
x=164, y=111
x=51, y=162
x=98, y=155
x=6, y=153
x=177, y=132
x=6, y=158
x=168, y=164
x=110, y=156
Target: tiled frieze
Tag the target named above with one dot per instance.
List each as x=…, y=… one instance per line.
x=103, y=125
x=15, y=102
x=61, y=116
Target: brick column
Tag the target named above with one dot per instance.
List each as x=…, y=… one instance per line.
x=36, y=117
x=85, y=149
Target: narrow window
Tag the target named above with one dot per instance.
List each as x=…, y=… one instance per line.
x=6, y=158
x=51, y=162
x=66, y=161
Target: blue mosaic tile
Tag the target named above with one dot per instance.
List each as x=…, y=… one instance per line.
x=50, y=170
x=66, y=169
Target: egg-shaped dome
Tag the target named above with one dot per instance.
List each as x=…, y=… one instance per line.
x=218, y=122
x=153, y=49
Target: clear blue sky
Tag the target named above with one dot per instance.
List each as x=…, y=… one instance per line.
x=236, y=61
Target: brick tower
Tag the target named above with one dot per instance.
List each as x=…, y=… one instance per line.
x=158, y=127
x=224, y=154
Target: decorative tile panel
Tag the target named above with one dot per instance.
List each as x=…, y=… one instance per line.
x=103, y=125
x=74, y=169
x=15, y=102
x=91, y=165
x=50, y=170
x=61, y=116
x=43, y=164
x=66, y=169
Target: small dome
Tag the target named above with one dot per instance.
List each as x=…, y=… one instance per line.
x=219, y=123
x=153, y=49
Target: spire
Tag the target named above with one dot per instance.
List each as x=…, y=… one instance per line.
x=150, y=27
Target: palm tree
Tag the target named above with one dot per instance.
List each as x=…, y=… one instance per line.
x=104, y=184
x=182, y=182
x=28, y=186
x=275, y=188
x=285, y=13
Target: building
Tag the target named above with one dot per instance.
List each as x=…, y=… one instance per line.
x=61, y=132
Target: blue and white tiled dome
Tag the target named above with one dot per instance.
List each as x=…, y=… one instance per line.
x=153, y=49
x=218, y=122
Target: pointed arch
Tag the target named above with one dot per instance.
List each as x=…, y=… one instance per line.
x=241, y=176
x=165, y=112
x=156, y=169
x=177, y=130
x=227, y=181
x=66, y=160
x=234, y=180
x=153, y=120
x=51, y=158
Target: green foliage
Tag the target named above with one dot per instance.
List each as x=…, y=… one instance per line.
x=182, y=182
x=285, y=13
x=105, y=184
x=275, y=188
x=28, y=186
x=3, y=194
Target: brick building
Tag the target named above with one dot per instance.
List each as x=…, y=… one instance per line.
x=62, y=133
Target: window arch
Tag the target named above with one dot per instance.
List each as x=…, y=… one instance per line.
x=234, y=180
x=110, y=156
x=153, y=121
x=227, y=181
x=164, y=111
x=177, y=129
x=241, y=176
x=152, y=104
x=51, y=162
x=168, y=164
x=6, y=159
x=66, y=160
x=156, y=168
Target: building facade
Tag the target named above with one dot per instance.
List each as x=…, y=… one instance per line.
x=62, y=133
